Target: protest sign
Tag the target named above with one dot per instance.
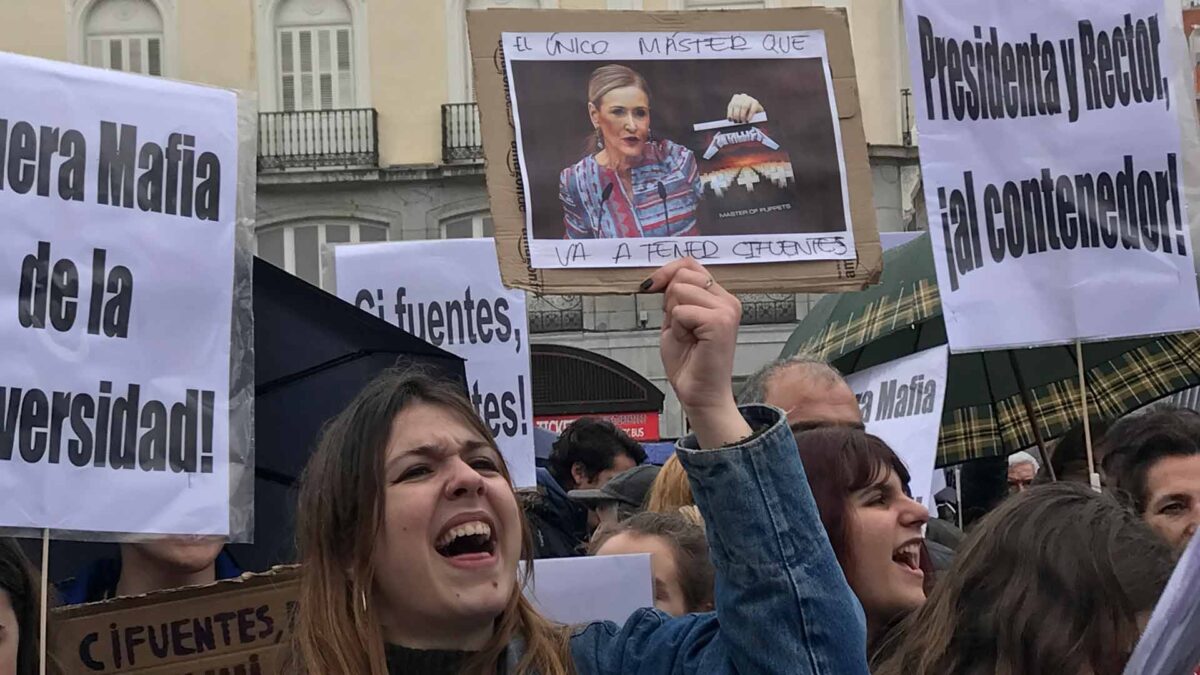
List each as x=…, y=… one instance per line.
x=786, y=183
x=239, y=627
x=119, y=203
x=720, y=191
x=595, y=588
x=1055, y=141
x=449, y=294
x=901, y=403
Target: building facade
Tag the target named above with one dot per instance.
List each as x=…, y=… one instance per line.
x=368, y=131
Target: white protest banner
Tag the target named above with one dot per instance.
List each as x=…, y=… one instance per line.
x=1055, y=141
x=118, y=203
x=448, y=293
x=740, y=162
x=901, y=403
x=595, y=588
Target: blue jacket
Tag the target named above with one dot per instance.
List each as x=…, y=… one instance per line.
x=783, y=605
x=98, y=580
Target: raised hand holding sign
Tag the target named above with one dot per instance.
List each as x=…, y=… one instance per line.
x=699, y=336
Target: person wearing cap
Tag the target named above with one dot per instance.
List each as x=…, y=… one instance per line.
x=619, y=498
x=586, y=456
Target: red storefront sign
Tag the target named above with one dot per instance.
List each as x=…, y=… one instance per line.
x=641, y=426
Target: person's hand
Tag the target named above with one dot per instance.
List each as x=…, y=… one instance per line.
x=742, y=107
x=699, y=336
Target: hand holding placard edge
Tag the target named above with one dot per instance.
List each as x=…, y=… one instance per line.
x=698, y=339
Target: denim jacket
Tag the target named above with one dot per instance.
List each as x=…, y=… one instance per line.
x=783, y=605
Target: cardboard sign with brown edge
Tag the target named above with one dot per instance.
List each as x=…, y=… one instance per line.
x=504, y=175
x=234, y=627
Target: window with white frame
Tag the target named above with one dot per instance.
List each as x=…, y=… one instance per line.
x=124, y=35
x=296, y=247
x=314, y=50
x=467, y=226
x=467, y=81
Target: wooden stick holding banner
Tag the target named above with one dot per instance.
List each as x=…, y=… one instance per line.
x=958, y=493
x=1033, y=423
x=1093, y=477
x=45, y=609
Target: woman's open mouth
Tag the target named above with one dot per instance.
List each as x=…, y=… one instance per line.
x=908, y=557
x=469, y=544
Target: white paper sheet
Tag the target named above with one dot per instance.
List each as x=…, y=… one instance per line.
x=902, y=403
x=1056, y=170
x=596, y=588
x=118, y=198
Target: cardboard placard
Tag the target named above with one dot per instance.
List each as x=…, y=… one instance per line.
x=239, y=626
x=503, y=173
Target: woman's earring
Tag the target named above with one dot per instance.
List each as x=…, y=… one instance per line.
x=363, y=595
x=599, y=139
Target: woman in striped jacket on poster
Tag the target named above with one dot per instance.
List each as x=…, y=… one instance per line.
x=631, y=184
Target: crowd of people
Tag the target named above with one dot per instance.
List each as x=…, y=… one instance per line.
x=783, y=537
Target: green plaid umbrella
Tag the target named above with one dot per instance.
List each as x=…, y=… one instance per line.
x=988, y=393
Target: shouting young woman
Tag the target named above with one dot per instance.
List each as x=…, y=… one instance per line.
x=409, y=534
x=875, y=527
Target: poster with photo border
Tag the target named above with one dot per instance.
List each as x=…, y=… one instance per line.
x=504, y=176
x=767, y=188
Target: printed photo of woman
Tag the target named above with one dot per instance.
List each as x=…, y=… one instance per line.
x=630, y=183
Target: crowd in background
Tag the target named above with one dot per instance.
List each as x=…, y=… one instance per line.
x=783, y=537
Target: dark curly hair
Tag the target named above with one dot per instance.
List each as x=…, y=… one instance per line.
x=1136, y=443
x=593, y=443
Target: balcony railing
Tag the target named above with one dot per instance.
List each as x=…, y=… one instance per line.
x=318, y=138
x=555, y=313
x=462, y=137
x=761, y=308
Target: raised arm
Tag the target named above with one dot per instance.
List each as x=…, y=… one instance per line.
x=782, y=603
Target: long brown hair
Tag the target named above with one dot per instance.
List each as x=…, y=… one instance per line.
x=1052, y=581
x=17, y=580
x=339, y=513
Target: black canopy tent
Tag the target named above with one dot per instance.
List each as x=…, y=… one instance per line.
x=313, y=352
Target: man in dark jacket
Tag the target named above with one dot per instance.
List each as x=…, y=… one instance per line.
x=586, y=456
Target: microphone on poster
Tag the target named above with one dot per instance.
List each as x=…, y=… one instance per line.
x=662, y=193
x=604, y=195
